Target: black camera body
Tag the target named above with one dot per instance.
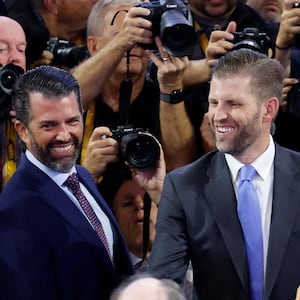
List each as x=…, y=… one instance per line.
x=66, y=53
x=251, y=38
x=9, y=74
x=170, y=23
x=139, y=149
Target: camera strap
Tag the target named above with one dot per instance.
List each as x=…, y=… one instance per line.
x=203, y=40
x=146, y=224
x=125, y=95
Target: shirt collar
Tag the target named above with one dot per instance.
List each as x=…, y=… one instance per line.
x=262, y=164
x=58, y=177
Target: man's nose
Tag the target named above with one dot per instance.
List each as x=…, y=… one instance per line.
x=14, y=56
x=220, y=113
x=63, y=133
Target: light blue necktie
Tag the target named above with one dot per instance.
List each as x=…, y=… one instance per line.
x=249, y=215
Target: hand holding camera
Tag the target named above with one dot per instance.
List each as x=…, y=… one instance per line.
x=66, y=53
x=137, y=147
x=170, y=69
x=220, y=42
x=132, y=28
x=99, y=152
x=170, y=23
x=289, y=29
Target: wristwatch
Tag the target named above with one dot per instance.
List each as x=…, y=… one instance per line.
x=175, y=97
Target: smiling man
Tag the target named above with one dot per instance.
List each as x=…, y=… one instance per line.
x=201, y=214
x=60, y=239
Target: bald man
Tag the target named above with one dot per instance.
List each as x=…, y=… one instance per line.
x=143, y=286
x=12, y=51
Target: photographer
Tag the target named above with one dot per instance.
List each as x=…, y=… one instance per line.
x=287, y=52
x=12, y=51
x=43, y=20
x=208, y=16
x=115, y=31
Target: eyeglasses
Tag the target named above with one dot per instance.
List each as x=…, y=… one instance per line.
x=116, y=14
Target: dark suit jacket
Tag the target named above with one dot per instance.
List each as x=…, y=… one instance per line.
x=48, y=250
x=197, y=220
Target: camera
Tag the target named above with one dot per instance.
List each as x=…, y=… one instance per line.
x=139, y=149
x=9, y=74
x=251, y=38
x=170, y=23
x=66, y=53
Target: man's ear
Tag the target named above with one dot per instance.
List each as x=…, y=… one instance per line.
x=51, y=6
x=271, y=107
x=91, y=43
x=22, y=131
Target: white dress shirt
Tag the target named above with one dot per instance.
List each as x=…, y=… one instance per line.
x=263, y=183
x=59, y=178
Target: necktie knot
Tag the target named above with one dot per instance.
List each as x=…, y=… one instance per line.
x=247, y=172
x=73, y=182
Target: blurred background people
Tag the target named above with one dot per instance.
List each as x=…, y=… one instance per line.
x=287, y=52
x=270, y=10
x=12, y=52
x=128, y=201
x=116, y=29
x=206, y=17
x=148, y=288
x=3, y=9
x=43, y=20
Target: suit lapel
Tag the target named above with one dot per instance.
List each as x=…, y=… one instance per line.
x=284, y=210
x=57, y=200
x=222, y=201
x=122, y=259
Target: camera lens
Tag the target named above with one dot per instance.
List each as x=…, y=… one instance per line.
x=177, y=34
x=8, y=77
x=141, y=151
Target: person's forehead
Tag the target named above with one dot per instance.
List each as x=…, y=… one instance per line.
x=10, y=29
x=145, y=288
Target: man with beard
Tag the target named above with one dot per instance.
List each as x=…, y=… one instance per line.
x=59, y=238
x=64, y=22
x=200, y=216
x=208, y=16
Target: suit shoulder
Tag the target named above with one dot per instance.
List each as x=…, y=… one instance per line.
x=199, y=166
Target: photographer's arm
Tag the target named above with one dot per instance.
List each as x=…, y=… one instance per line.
x=198, y=71
x=93, y=73
x=177, y=134
x=286, y=35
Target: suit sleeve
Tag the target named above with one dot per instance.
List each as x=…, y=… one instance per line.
x=169, y=256
x=24, y=261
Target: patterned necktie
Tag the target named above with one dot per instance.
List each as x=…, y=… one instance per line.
x=249, y=215
x=72, y=182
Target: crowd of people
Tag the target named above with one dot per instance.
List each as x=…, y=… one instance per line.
x=122, y=159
